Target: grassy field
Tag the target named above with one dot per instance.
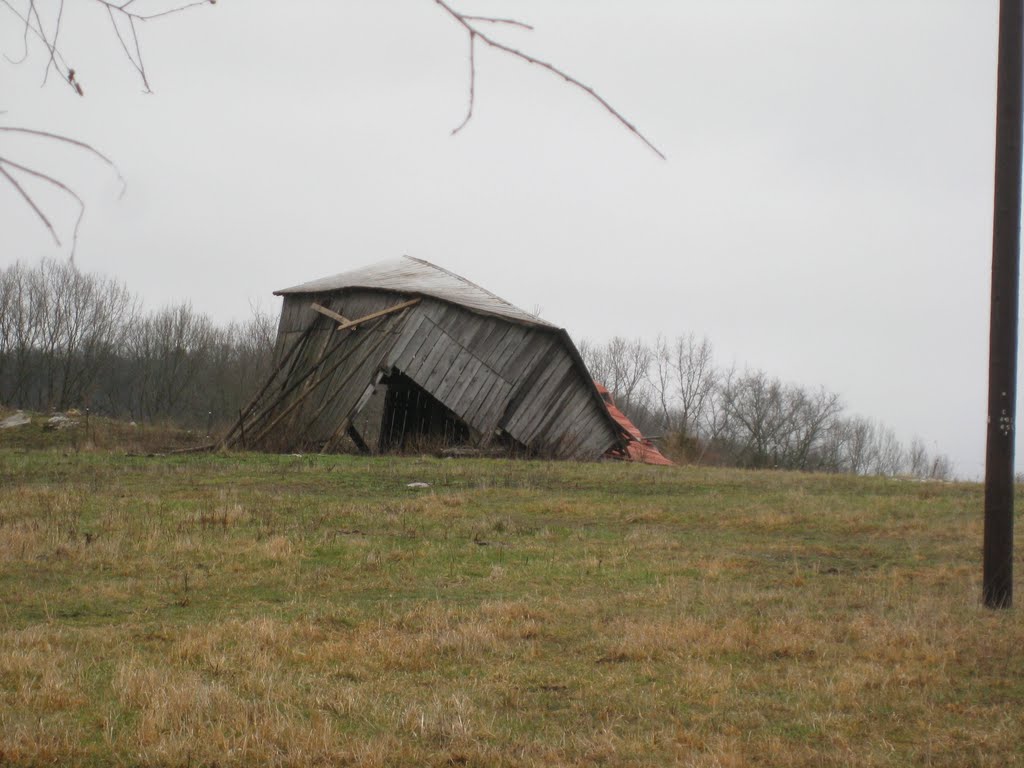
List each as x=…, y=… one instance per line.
x=237, y=610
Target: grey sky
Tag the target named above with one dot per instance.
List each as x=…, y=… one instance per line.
x=824, y=213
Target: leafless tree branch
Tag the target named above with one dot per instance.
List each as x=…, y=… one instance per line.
x=123, y=18
x=53, y=182
x=467, y=22
x=472, y=83
x=28, y=199
x=494, y=20
x=73, y=142
x=53, y=47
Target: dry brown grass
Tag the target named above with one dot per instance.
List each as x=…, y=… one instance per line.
x=249, y=610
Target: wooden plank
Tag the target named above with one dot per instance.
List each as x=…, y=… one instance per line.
x=512, y=335
x=441, y=367
x=356, y=302
x=410, y=333
x=523, y=366
x=469, y=380
x=490, y=334
x=453, y=376
x=480, y=384
x=414, y=362
x=461, y=325
x=567, y=441
x=525, y=386
x=374, y=315
x=493, y=389
x=554, y=412
x=476, y=334
x=494, y=405
x=600, y=433
x=434, y=309
x=488, y=381
x=441, y=346
x=484, y=401
x=418, y=345
x=588, y=410
x=295, y=315
x=346, y=389
x=502, y=363
x=537, y=405
x=597, y=439
x=328, y=312
x=555, y=420
x=308, y=369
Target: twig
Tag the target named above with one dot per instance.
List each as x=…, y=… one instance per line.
x=56, y=183
x=73, y=142
x=123, y=8
x=466, y=21
x=136, y=60
x=472, y=83
x=41, y=34
x=493, y=20
x=32, y=203
x=53, y=48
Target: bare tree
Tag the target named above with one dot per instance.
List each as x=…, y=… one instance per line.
x=890, y=457
x=918, y=463
x=596, y=360
x=695, y=378
x=941, y=468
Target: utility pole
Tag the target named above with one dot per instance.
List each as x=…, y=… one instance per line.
x=997, y=584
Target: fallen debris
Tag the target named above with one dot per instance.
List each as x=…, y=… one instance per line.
x=60, y=421
x=18, y=419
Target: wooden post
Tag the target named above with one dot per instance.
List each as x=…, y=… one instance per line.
x=997, y=578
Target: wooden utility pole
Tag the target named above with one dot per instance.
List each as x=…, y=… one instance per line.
x=997, y=586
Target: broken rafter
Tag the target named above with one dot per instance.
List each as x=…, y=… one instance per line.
x=374, y=315
x=328, y=312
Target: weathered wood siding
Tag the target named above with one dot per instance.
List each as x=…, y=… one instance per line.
x=495, y=374
x=351, y=361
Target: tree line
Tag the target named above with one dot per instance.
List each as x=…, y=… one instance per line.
x=69, y=339
x=705, y=412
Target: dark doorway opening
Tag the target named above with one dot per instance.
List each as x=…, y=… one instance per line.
x=414, y=419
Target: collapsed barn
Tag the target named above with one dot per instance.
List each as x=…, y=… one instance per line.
x=406, y=355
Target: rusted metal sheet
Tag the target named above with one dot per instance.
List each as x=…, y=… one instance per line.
x=637, y=447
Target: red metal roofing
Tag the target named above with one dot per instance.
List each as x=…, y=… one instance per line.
x=637, y=447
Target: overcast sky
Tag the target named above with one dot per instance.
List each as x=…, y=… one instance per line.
x=824, y=213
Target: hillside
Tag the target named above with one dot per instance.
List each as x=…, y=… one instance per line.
x=247, y=609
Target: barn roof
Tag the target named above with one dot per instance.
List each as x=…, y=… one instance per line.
x=416, y=276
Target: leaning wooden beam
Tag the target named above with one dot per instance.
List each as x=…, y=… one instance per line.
x=321, y=379
x=346, y=423
x=266, y=385
x=268, y=410
x=356, y=438
x=339, y=388
x=329, y=312
x=326, y=352
x=375, y=315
